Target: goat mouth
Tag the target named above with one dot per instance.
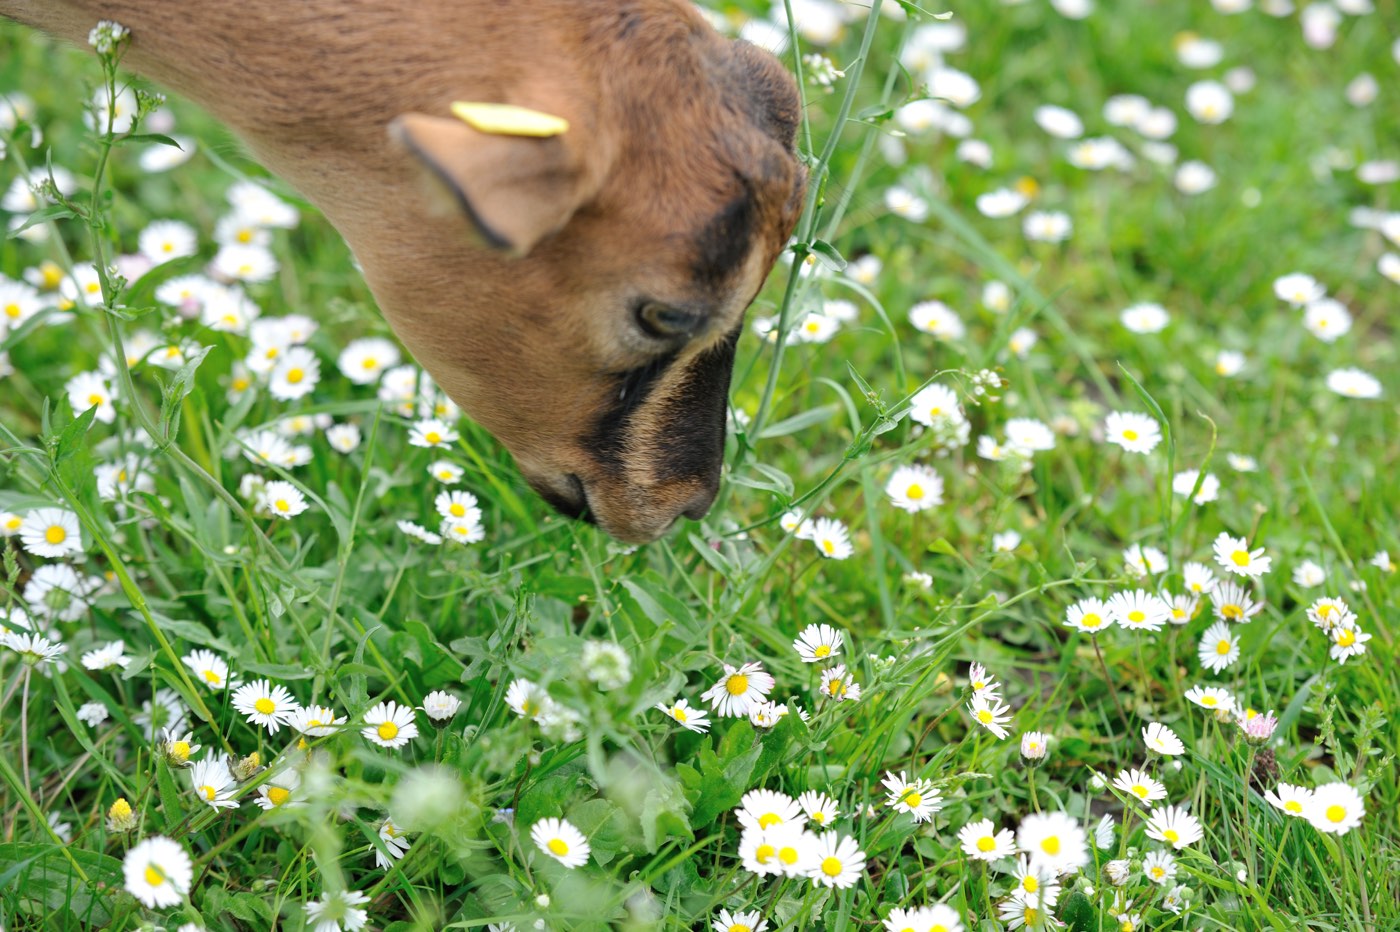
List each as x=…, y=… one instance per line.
x=571, y=504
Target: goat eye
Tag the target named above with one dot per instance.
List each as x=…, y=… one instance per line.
x=667, y=323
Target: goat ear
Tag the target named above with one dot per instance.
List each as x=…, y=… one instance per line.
x=515, y=189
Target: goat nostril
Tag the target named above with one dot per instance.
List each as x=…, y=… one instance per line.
x=700, y=505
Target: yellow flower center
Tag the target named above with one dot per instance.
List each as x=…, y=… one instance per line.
x=153, y=875
x=55, y=534
x=1171, y=835
x=1051, y=845
x=208, y=791
x=1336, y=813
x=1140, y=791
x=737, y=685
x=369, y=363
x=1293, y=806
x=1346, y=637
x=167, y=247
x=1130, y=435
x=915, y=491
x=281, y=505
x=1232, y=612
x=95, y=399
x=433, y=436
x=180, y=750
x=12, y=311
x=1240, y=558
x=277, y=796
x=14, y=523
x=241, y=385
x=986, y=843
x=819, y=818
x=295, y=376
x=457, y=510
x=1031, y=883
x=1091, y=620
x=679, y=714
x=1137, y=617
x=985, y=716
x=212, y=677
x=764, y=853
x=387, y=731
x=822, y=651
x=1158, y=872
x=265, y=706
x=913, y=800
x=769, y=818
x=831, y=867
x=558, y=847
x=1222, y=647
x=1210, y=701
x=829, y=546
x=788, y=855
x=739, y=927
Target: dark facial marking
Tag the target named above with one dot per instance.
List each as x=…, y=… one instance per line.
x=693, y=419
x=608, y=441
x=724, y=241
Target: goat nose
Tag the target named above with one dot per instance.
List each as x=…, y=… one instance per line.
x=699, y=506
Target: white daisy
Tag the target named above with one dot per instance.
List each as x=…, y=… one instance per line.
x=1234, y=555
x=739, y=690
x=389, y=725
x=51, y=532
x=982, y=842
x=264, y=704
x=818, y=642
x=562, y=841
x=213, y=783
x=915, y=488
x=696, y=720
x=837, y=861
x=1219, y=648
x=917, y=797
x=158, y=872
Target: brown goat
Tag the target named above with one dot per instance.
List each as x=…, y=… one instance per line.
x=579, y=295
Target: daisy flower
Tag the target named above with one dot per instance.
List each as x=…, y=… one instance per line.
x=1163, y=740
x=432, y=433
x=1055, y=842
x=1183, y=607
x=389, y=725
x=1135, y=433
x=1034, y=883
x=1035, y=745
x=1146, y=318
x=1144, y=561
x=915, y=488
x=982, y=842
x=1353, y=383
x=462, y=532
x=696, y=720
x=177, y=748
x=1175, y=826
x=1289, y=799
x=1209, y=102
x=981, y=682
x=917, y=797
x=1327, y=319
x=1298, y=289
x=763, y=809
x=1159, y=866
x=395, y=842
x=441, y=705
x=157, y=871
x=1089, y=615
x=935, y=405
x=343, y=438
x=336, y=911
x=277, y=791
x=818, y=642
x=90, y=390
x=839, y=685
x=264, y=704
x=1218, y=648
x=1383, y=562
x=108, y=655
x=937, y=319
x=1184, y=482
x=820, y=809
x=93, y=714
x=1326, y=613
x=364, y=361
x=297, y=372
x=1103, y=833
x=1232, y=602
x=1017, y=913
x=34, y=649
x=445, y=472
x=208, y=667
x=1138, y=610
x=51, y=532
x=1214, y=698
x=1028, y=435
x=1139, y=785
x=991, y=713
x=793, y=523
x=1047, y=226
x=1003, y=202
x=562, y=841
x=739, y=690
x=767, y=714
x=1234, y=555
x=752, y=921
x=831, y=539
x=1197, y=578
x=1348, y=640
x=936, y=918
x=315, y=721
x=418, y=532
x=457, y=506
x=527, y=699
x=837, y=861
x=282, y=499
x=213, y=784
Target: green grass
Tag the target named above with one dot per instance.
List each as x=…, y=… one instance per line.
x=343, y=610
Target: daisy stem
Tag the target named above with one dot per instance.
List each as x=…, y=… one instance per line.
x=24, y=728
x=987, y=889
x=1248, y=842
x=1030, y=781
x=1108, y=681
x=1361, y=882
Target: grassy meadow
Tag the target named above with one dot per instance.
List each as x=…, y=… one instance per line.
x=1052, y=584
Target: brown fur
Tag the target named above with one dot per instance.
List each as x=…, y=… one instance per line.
x=676, y=183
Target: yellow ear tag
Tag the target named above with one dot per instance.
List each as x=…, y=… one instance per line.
x=508, y=120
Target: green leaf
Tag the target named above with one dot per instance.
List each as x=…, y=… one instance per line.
x=41, y=876
x=828, y=255
x=156, y=138
x=42, y=215
x=1078, y=913
x=665, y=815
x=809, y=418
x=172, y=810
